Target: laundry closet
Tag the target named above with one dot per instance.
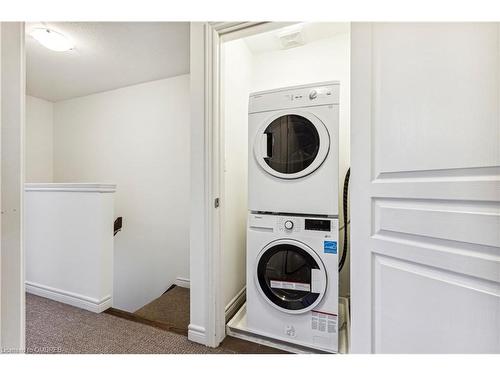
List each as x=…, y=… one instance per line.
x=288, y=83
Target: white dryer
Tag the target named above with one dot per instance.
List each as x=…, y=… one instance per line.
x=293, y=150
x=292, y=279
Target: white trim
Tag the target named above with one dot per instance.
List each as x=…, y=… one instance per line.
x=197, y=334
x=71, y=187
x=0, y=187
x=12, y=123
x=360, y=198
x=234, y=305
x=237, y=30
x=69, y=298
x=182, y=282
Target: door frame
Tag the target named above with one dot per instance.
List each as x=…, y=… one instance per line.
x=12, y=126
x=207, y=104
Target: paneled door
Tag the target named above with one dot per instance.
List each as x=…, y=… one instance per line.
x=425, y=197
x=12, y=98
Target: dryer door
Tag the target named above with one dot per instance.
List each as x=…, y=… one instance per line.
x=290, y=276
x=291, y=144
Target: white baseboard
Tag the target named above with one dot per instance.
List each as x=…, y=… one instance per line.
x=69, y=298
x=234, y=305
x=182, y=282
x=197, y=334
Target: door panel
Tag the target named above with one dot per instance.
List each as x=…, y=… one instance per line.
x=425, y=198
x=448, y=114
x=457, y=221
x=440, y=305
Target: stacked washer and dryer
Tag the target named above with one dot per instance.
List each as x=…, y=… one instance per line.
x=292, y=234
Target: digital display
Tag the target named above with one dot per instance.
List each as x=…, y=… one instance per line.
x=317, y=224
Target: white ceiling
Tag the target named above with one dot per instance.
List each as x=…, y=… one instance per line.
x=107, y=55
x=310, y=32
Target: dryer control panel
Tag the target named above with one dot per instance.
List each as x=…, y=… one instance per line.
x=295, y=97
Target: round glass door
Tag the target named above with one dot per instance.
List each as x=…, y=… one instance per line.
x=292, y=145
x=290, y=276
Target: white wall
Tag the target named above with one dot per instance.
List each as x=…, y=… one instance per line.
x=323, y=60
x=69, y=243
x=237, y=75
x=39, y=140
x=137, y=137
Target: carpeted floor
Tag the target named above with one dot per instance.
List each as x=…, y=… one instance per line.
x=170, y=308
x=53, y=327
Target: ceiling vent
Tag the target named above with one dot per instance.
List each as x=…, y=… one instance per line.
x=291, y=38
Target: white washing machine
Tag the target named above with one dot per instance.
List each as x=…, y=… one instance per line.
x=292, y=279
x=293, y=150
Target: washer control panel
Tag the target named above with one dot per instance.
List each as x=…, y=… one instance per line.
x=294, y=224
x=312, y=226
x=288, y=224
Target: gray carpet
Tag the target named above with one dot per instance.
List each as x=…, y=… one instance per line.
x=53, y=327
x=171, y=308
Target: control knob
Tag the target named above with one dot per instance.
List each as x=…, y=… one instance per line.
x=313, y=94
x=288, y=224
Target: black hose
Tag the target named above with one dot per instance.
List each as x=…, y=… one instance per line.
x=344, y=202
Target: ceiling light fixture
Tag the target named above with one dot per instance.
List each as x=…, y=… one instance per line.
x=52, y=39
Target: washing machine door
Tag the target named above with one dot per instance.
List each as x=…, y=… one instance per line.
x=290, y=276
x=291, y=144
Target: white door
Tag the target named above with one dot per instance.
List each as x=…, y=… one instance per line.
x=12, y=97
x=425, y=198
